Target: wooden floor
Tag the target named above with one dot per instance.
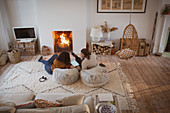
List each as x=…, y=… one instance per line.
x=149, y=77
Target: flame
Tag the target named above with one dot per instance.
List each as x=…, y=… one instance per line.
x=63, y=40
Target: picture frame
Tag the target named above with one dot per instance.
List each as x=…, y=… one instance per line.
x=121, y=6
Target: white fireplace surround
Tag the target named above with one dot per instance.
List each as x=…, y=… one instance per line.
x=165, y=30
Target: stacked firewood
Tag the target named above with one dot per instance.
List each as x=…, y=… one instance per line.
x=101, y=50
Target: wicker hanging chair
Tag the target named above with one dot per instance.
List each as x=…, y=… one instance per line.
x=129, y=43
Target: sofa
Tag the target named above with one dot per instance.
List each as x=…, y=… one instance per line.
x=26, y=103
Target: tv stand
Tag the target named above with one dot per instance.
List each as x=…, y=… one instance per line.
x=26, y=47
x=26, y=40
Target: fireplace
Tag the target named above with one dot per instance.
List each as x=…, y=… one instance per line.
x=62, y=41
x=167, y=46
x=164, y=36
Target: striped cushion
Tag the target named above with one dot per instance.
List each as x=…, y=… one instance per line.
x=40, y=103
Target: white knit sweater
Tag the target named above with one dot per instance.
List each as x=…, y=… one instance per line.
x=89, y=63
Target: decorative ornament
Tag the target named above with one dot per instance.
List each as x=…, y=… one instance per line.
x=107, y=30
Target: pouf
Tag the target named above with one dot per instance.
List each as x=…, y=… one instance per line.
x=65, y=76
x=94, y=77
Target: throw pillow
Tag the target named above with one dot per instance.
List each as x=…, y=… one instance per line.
x=26, y=105
x=72, y=100
x=125, y=53
x=40, y=103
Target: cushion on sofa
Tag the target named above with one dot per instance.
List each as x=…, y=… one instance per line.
x=68, y=109
x=94, y=77
x=52, y=96
x=26, y=105
x=65, y=76
x=7, y=107
x=72, y=100
x=40, y=103
x=16, y=98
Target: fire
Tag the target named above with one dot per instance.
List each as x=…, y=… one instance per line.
x=63, y=40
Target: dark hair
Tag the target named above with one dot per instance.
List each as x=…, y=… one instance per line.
x=64, y=57
x=86, y=53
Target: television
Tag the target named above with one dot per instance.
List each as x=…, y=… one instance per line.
x=24, y=33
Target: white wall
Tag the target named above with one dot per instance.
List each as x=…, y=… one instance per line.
x=60, y=15
x=142, y=21
x=22, y=13
x=5, y=31
x=79, y=16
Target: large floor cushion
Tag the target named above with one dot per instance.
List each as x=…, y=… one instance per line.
x=94, y=77
x=65, y=76
x=16, y=98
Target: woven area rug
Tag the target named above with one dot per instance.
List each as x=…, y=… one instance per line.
x=24, y=77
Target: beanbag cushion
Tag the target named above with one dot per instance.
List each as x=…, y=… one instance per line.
x=94, y=77
x=65, y=76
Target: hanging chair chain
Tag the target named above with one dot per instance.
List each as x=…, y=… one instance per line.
x=130, y=13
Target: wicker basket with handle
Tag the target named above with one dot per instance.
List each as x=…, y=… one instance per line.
x=14, y=56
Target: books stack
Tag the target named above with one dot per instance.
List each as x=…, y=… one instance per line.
x=105, y=97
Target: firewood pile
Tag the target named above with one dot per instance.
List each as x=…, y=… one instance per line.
x=101, y=50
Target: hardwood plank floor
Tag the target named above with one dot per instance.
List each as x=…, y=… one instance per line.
x=149, y=77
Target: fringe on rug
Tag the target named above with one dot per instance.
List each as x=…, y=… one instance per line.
x=128, y=90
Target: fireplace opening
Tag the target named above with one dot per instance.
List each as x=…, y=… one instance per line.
x=167, y=48
x=62, y=41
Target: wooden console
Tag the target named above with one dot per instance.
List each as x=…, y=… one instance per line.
x=26, y=48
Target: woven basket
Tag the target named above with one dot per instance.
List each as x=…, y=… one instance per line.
x=14, y=56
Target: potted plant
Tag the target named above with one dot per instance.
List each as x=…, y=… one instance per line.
x=107, y=30
x=166, y=11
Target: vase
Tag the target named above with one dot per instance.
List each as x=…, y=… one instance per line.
x=107, y=36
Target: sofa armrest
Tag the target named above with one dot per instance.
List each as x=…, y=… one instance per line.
x=16, y=98
x=7, y=107
x=89, y=100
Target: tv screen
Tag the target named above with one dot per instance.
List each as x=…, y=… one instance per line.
x=24, y=33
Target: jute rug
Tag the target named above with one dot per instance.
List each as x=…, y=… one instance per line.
x=24, y=77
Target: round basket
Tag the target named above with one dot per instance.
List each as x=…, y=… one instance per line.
x=14, y=56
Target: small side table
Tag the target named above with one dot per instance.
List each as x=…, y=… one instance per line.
x=102, y=47
x=96, y=101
